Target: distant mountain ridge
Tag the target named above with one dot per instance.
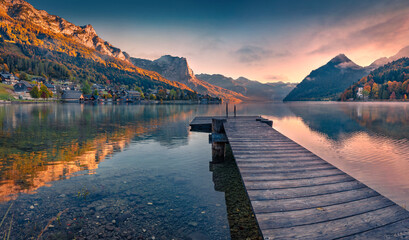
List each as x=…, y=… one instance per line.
x=404, y=52
x=177, y=69
x=254, y=90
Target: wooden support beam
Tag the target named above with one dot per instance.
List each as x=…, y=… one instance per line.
x=218, y=147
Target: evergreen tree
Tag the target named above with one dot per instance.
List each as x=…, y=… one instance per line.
x=86, y=88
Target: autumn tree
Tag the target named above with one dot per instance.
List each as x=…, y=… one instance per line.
x=393, y=96
x=161, y=94
x=375, y=91
x=367, y=90
x=45, y=92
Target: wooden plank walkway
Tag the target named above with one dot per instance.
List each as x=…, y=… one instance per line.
x=297, y=195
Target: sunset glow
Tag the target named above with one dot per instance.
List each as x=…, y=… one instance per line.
x=266, y=41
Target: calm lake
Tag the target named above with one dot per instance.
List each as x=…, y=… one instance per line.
x=136, y=171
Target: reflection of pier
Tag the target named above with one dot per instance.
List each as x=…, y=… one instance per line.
x=296, y=194
x=226, y=178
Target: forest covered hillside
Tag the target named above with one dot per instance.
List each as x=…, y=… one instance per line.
x=37, y=43
x=388, y=82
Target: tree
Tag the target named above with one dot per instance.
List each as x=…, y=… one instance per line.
x=95, y=92
x=375, y=91
x=86, y=88
x=172, y=94
x=23, y=76
x=161, y=94
x=393, y=96
x=45, y=92
x=35, y=92
x=6, y=68
x=152, y=97
x=138, y=89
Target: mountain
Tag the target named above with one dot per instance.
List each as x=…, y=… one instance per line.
x=39, y=43
x=254, y=90
x=19, y=10
x=281, y=89
x=266, y=91
x=222, y=81
x=389, y=82
x=177, y=69
x=328, y=81
x=404, y=52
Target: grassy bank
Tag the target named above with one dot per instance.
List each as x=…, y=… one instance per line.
x=5, y=92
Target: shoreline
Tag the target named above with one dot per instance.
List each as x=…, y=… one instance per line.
x=110, y=102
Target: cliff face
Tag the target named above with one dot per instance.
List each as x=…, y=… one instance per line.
x=177, y=69
x=22, y=11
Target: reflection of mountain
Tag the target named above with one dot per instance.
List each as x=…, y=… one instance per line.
x=391, y=120
x=278, y=110
x=40, y=144
x=327, y=118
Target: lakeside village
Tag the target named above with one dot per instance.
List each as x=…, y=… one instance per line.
x=41, y=89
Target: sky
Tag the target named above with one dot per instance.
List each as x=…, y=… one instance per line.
x=264, y=40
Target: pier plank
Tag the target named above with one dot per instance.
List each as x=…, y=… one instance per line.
x=297, y=195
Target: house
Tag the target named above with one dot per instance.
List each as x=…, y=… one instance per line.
x=51, y=87
x=360, y=93
x=90, y=97
x=98, y=87
x=8, y=78
x=72, y=96
x=39, y=79
x=23, y=86
x=133, y=96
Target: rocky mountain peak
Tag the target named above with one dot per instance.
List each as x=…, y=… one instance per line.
x=177, y=65
x=340, y=58
x=13, y=2
x=89, y=29
x=21, y=11
x=177, y=69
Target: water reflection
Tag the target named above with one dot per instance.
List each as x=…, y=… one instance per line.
x=141, y=173
x=44, y=143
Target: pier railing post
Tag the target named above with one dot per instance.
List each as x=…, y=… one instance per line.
x=227, y=110
x=218, y=148
x=234, y=110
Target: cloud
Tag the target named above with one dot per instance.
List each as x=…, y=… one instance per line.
x=253, y=54
x=276, y=78
x=387, y=30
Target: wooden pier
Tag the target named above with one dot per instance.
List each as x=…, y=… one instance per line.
x=296, y=194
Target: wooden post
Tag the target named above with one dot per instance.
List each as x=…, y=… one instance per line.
x=234, y=110
x=227, y=110
x=218, y=148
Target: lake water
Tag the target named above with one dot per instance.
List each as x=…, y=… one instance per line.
x=136, y=171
